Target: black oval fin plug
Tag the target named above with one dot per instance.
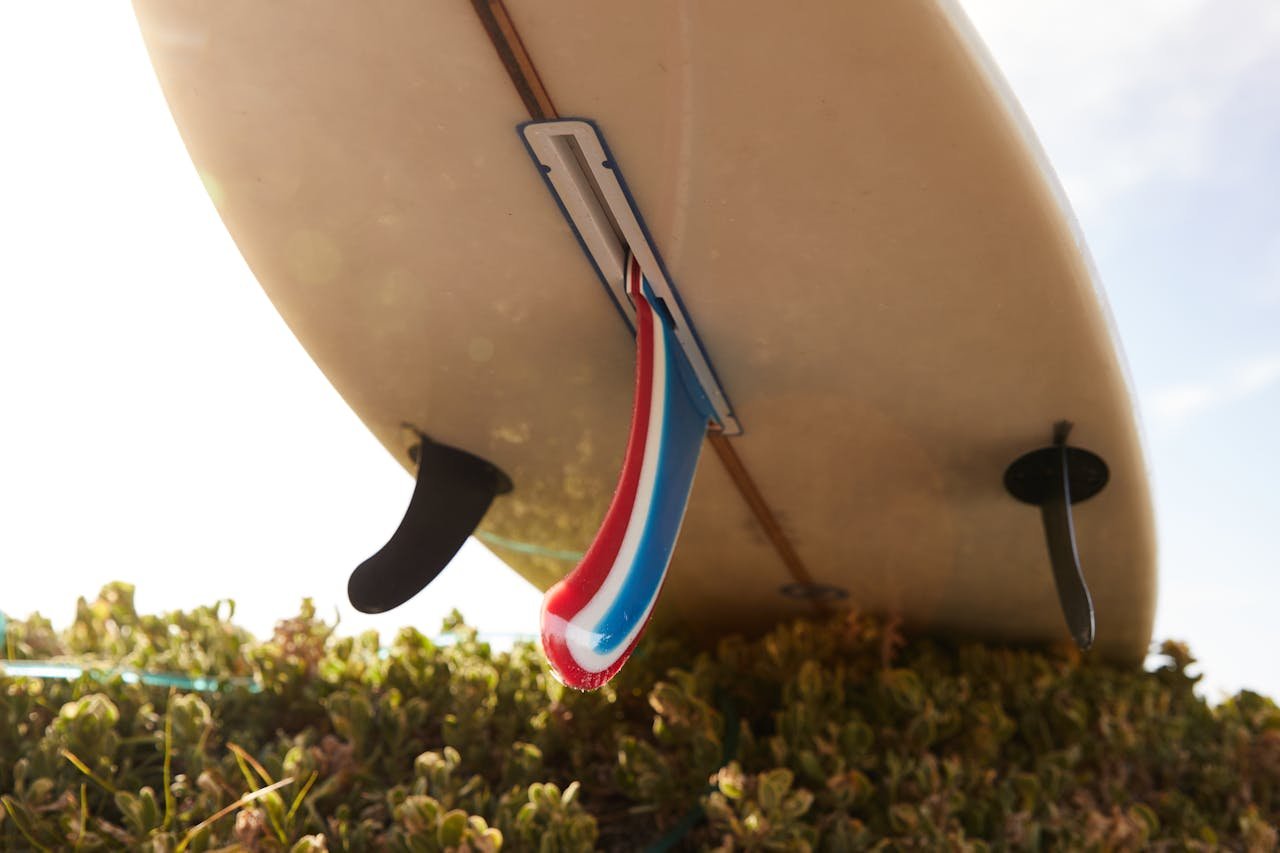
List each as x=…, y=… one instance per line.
x=1053, y=478
x=453, y=492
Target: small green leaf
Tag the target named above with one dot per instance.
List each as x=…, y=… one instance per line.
x=773, y=787
x=453, y=826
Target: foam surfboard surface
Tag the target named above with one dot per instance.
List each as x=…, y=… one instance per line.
x=877, y=256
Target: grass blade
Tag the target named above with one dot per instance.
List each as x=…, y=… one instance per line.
x=226, y=810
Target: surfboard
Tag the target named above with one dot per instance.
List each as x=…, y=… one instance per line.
x=886, y=280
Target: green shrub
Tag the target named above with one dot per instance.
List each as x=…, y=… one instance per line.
x=817, y=736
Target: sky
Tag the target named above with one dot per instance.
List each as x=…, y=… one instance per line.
x=160, y=425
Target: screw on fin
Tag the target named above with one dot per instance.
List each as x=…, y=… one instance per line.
x=453, y=492
x=593, y=618
x=1053, y=478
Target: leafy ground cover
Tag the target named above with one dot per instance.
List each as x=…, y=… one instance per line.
x=839, y=735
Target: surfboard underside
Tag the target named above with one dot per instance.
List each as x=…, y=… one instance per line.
x=877, y=256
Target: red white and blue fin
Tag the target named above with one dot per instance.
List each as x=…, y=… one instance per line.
x=593, y=618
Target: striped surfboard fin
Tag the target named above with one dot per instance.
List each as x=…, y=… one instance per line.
x=593, y=618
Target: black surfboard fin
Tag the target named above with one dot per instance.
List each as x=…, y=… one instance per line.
x=453, y=492
x=1053, y=478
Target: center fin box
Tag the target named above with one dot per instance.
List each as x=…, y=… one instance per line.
x=585, y=179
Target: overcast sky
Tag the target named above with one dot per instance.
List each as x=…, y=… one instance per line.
x=160, y=425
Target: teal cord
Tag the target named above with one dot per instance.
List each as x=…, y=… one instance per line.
x=696, y=815
x=55, y=670
x=527, y=548
x=71, y=670
x=64, y=671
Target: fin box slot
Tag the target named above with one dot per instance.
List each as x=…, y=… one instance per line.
x=585, y=179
